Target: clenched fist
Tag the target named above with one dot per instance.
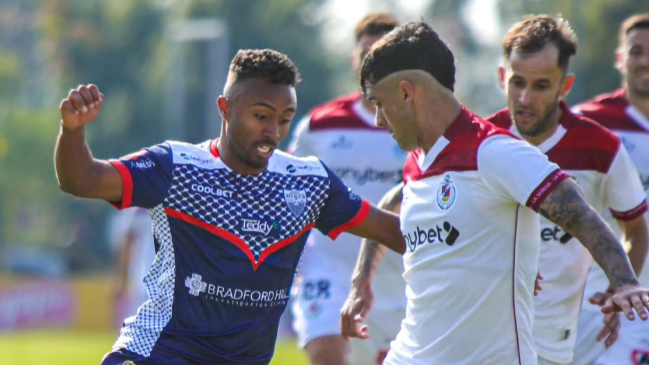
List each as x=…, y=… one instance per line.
x=81, y=106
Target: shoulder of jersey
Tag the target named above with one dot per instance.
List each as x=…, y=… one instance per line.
x=337, y=114
x=461, y=153
x=199, y=155
x=608, y=110
x=501, y=119
x=287, y=164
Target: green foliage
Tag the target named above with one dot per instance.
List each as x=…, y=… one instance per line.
x=280, y=25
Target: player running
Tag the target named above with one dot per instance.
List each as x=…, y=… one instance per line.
x=472, y=254
x=535, y=77
x=231, y=217
x=625, y=112
x=366, y=158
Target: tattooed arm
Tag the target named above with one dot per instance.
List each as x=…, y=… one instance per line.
x=361, y=298
x=566, y=206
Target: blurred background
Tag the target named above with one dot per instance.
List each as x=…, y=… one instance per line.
x=161, y=65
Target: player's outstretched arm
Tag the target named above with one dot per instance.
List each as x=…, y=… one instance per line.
x=78, y=172
x=566, y=206
x=382, y=226
x=361, y=298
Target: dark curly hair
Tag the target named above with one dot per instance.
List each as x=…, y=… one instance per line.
x=534, y=32
x=412, y=46
x=266, y=64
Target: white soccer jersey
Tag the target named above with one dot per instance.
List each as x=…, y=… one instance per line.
x=343, y=135
x=613, y=112
x=468, y=218
x=599, y=163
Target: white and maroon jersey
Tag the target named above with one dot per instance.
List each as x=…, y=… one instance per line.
x=469, y=220
x=368, y=160
x=614, y=112
x=599, y=163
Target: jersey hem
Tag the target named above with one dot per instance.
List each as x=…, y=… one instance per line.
x=548, y=355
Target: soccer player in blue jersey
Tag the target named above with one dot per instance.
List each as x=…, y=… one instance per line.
x=230, y=218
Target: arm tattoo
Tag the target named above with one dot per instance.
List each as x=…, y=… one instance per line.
x=567, y=207
x=372, y=252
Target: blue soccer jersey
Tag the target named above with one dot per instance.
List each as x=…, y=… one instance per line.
x=227, y=247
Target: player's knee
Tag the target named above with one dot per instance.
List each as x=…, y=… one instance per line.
x=327, y=350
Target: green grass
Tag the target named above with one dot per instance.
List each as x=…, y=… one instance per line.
x=69, y=347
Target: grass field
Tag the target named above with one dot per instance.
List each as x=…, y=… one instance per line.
x=71, y=348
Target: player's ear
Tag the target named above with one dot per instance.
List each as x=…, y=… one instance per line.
x=223, y=105
x=406, y=91
x=619, y=59
x=568, y=81
x=501, y=76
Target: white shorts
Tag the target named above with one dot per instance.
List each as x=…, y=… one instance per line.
x=631, y=347
x=587, y=348
x=317, y=302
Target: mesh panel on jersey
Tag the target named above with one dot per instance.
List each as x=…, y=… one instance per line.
x=141, y=331
x=256, y=196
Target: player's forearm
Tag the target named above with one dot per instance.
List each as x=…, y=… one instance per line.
x=73, y=161
x=566, y=207
x=639, y=240
x=368, y=261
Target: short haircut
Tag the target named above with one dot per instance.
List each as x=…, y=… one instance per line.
x=268, y=64
x=412, y=46
x=375, y=24
x=638, y=21
x=534, y=32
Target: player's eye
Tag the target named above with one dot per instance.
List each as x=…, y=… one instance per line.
x=261, y=116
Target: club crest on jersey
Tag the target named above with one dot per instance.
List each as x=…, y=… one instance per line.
x=446, y=194
x=296, y=201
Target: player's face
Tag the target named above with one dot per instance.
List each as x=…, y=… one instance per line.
x=393, y=114
x=534, y=83
x=633, y=61
x=258, y=119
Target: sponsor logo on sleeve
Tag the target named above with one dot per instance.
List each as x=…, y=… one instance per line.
x=142, y=163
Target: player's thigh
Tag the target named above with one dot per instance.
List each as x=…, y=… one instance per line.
x=587, y=348
x=316, y=307
x=631, y=347
x=384, y=326
x=327, y=350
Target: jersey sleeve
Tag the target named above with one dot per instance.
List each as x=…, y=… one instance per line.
x=342, y=211
x=146, y=176
x=515, y=169
x=625, y=196
x=300, y=141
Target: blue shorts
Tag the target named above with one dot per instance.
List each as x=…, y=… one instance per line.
x=125, y=357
